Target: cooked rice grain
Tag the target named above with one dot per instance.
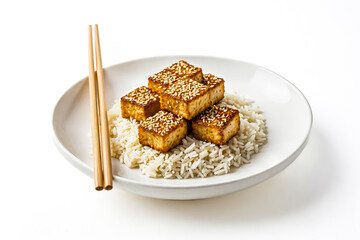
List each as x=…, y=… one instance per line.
x=192, y=158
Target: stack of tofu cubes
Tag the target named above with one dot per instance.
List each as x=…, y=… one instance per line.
x=178, y=101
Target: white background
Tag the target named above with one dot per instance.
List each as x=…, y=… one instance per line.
x=43, y=51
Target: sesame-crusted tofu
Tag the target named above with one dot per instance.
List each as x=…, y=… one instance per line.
x=177, y=71
x=186, y=70
x=140, y=104
x=217, y=87
x=162, y=80
x=216, y=124
x=186, y=98
x=162, y=131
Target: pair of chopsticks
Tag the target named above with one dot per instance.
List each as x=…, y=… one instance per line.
x=100, y=141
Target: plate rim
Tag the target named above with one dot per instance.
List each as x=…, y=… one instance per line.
x=118, y=179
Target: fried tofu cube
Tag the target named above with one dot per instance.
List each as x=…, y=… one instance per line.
x=140, y=104
x=216, y=124
x=186, y=98
x=177, y=71
x=185, y=70
x=217, y=87
x=162, y=131
x=162, y=80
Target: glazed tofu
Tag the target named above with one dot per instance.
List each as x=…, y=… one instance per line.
x=177, y=71
x=217, y=87
x=162, y=80
x=162, y=131
x=186, y=98
x=216, y=124
x=140, y=104
x=185, y=70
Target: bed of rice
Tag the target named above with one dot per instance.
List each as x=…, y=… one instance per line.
x=192, y=158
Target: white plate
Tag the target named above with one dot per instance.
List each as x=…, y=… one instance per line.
x=287, y=111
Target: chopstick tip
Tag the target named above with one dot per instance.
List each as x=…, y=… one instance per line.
x=108, y=187
x=99, y=188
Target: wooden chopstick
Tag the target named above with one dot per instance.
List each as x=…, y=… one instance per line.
x=98, y=175
x=105, y=142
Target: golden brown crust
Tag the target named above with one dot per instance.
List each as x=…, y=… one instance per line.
x=216, y=124
x=177, y=71
x=140, y=104
x=216, y=117
x=141, y=96
x=164, y=78
x=186, y=90
x=183, y=68
x=129, y=110
x=206, y=134
x=156, y=87
x=162, y=131
x=186, y=98
x=216, y=135
x=217, y=87
x=212, y=81
x=177, y=107
x=162, y=123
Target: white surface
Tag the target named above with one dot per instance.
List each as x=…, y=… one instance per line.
x=288, y=120
x=43, y=51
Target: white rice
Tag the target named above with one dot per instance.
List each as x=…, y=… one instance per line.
x=192, y=158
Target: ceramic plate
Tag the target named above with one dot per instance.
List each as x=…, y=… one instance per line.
x=285, y=108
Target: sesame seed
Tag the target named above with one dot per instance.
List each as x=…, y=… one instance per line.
x=186, y=90
x=212, y=81
x=162, y=123
x=217, y=116
x=141, y=96
x=177, y=71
